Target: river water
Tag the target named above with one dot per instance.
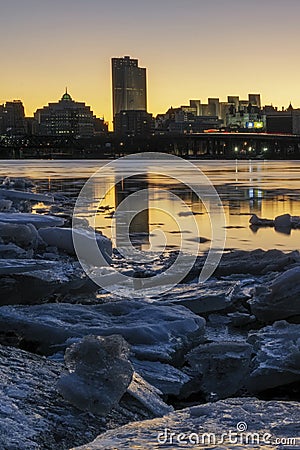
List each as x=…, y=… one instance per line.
x=265, y=188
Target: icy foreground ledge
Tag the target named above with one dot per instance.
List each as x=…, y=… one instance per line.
x=34, y=416
x=269, y=420
x=156, y=333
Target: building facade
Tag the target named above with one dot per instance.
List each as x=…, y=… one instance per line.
x=129, y=85
x=67, y=117
x=133, y=123
x=185, y=119
x=286, y=121
x=12, y=118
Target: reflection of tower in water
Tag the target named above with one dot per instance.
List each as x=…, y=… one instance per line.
x=134, y=216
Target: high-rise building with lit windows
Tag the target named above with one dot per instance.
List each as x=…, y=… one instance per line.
x=68, y=117
x=129, y=86
x=12, y=118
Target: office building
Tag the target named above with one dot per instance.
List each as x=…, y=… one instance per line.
x=252, y=119
x=234, y=100
x=184, y=120
x=133, y=123
x=129, y=90
x=12, y=118
x=254, y=100
x=214, y=107
x=196, y=104
x=67, y=117
x=286, y=121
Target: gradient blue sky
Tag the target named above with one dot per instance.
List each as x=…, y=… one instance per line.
x=191, y=48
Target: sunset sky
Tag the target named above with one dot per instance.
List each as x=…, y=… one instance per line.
x=191, y=48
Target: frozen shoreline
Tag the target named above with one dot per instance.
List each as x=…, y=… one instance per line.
x=236, y=336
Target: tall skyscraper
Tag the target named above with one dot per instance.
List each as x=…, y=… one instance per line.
x=129, y=88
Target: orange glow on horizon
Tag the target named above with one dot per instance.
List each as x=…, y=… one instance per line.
x=193, y=50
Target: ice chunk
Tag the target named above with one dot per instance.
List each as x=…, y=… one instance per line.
x=148, y=396
x=157, y=333
x=277, y=360
x=38, y=220
x=99, y=373
x=23, y=195
x=62, y=238
x=19, y=234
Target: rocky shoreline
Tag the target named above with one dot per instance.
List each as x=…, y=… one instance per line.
x=78, y=362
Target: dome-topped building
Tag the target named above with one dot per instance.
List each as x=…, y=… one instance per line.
x=67, y=117
x=66, y=97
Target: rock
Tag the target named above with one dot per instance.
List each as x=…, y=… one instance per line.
x=240, y=262
x=16, y=183
x=238, y=319
x=277, y=360
x=12, y=251
x=243, y=290
x=286, y=221
x=34, y=416
x=256, y=262
x=22, y=235
x=21, y=283
x=232, y=424
x=164, y=377
x=63, y=239
x=278, y=300
x=148, y=396
x=156, y=333
x=201, y=299
x=257, y=221
x=283, y=221
x=220, y=367
x=12, y=265
x=5, y=205
x=38, y=220
x=99, y=373
x=295, y=221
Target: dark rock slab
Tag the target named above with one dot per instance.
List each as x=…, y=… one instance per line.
x=280, y=299
x=256, y=262
x=33, y=281
x=205, y=298
x=168, y=379
x=259, y=222
x=219, y=367
x=277, y=356
x=239, y=262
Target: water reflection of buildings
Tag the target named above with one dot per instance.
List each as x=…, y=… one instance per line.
x=154, y=210
x=135, y=212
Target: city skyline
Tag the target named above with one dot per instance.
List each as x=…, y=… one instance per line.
x=195, y=50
